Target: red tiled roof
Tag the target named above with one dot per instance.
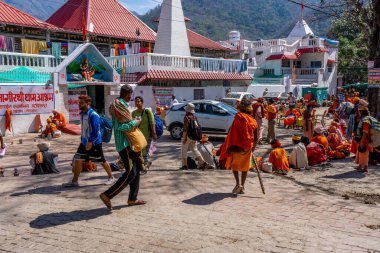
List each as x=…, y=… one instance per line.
x=14, y=16
x=187, y=75
x=282, y=57
x=109, y=18
x=197, y=40
x=330, y=61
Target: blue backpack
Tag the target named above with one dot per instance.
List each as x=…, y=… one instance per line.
x=159, y=125
x=105, y=129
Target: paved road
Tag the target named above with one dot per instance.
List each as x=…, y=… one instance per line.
x=186, y=212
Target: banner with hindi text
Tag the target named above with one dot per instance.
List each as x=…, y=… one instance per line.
x=27, y=99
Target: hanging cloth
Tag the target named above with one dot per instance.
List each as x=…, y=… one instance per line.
x=56, y=49
x=10, y=44
x=72, y=47
x=2, y=43
x=8, y=119
x=112, y=52
x=42, y=46
x=30, y=46
x=116, y=46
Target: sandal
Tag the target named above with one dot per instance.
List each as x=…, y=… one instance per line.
x=237, y=189
x=136, y=203
x=242, y=190
x=106, y=201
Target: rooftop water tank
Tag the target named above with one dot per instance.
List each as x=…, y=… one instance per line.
x=234, y=36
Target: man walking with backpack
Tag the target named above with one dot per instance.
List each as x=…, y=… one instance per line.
x=191, y=133
x=90, y=148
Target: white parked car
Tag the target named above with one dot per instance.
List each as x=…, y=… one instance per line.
x=234, y=98
x=215, y=117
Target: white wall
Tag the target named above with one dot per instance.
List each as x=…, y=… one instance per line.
x=258, y=90
x=276, y=65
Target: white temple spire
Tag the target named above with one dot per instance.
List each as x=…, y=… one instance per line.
x=172, y=33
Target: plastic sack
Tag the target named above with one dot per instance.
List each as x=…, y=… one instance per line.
x=3, y=150
x=152, y=148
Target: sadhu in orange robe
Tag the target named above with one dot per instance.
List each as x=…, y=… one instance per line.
x=291, y=117
x=240, y=142
x=339, y=149
x=321, y=139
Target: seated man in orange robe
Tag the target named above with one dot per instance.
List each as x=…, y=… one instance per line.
x=58, y=119
x=52, y=129
x=320, y=138
x=278, y=158
x=338, y=148
x=291, y=116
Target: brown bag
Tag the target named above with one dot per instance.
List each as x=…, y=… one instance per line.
x=88, y=166
x=136, y=139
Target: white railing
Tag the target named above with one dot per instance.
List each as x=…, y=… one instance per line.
x=11, y=60
x=264, y=43
x=148, y=61
x=317, y=42
x=311, y=72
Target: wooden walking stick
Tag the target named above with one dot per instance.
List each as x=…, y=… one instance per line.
x=254, y=163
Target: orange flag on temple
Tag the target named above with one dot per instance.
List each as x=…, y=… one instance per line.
x=294, y=75
x=84, y=27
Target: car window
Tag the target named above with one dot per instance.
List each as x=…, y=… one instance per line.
x=212, y=109
x=233, y=95
x=228, y=108
x=198, y=108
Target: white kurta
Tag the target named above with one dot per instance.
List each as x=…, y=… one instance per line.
x=298, y=157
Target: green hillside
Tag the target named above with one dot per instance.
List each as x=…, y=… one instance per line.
x=255, y=19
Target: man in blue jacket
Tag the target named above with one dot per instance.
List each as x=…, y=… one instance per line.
x=90, y=148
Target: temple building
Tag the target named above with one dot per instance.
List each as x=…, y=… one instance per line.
x=300, y=60
x=92, y=47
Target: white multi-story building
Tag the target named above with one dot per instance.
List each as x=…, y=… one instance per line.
x=302, y=59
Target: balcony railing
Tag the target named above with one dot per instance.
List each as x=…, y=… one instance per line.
x=42, y=62
x=148, y=61
x=312, y=72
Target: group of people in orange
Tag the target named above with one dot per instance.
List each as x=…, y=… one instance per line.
x=54, y=124
x=352, y=132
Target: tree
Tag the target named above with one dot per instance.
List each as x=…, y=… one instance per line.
x=366, y=16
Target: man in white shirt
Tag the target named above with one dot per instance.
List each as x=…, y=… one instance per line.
x=174, y=101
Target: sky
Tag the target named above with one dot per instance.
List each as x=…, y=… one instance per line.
x=140, y=6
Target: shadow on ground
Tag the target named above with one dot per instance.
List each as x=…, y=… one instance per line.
x=62, y=218
x=208, y=198
x=50, y=190
x=347, y=175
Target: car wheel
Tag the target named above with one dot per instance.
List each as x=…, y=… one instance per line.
x=176, y=131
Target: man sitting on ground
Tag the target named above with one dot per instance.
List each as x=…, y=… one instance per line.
x=338, y=148
x=315, y=152
x=320, y=138
x=43, y=162
x=298, y=157
x=207, y=151
x=278, y=158
x=59, y=119
x=51, y=129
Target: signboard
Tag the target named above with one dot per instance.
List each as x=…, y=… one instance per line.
x=163, y=95
x=74, y=101
x=374, y=76
x=27, y=99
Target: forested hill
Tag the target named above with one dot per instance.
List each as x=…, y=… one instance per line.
x=255, y=19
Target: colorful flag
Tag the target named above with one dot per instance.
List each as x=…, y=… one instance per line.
x=84, y=27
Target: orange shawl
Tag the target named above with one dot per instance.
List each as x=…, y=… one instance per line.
x=8, y=119
x=242, y=134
